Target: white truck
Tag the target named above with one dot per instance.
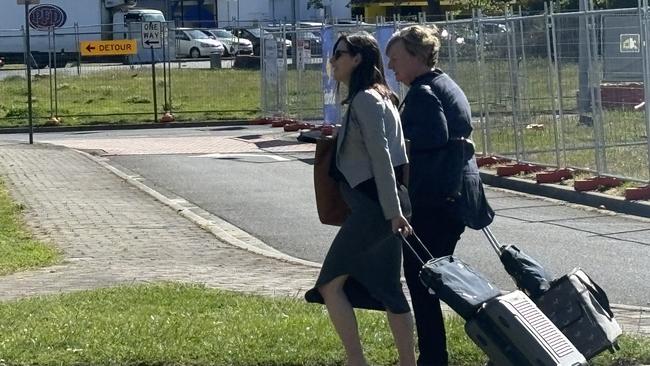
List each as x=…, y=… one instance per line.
x=75, y=21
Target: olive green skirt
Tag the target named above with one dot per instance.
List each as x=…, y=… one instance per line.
x=366, y=249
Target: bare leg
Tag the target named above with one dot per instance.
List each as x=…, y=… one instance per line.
x=402, y=327
x=343, y=318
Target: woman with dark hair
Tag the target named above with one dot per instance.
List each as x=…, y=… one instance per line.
x=436, y=117
x=362, y=267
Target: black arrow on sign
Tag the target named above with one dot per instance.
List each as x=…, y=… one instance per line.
x=148, y=42
x=90, y=48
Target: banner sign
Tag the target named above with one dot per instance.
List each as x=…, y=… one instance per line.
x=384, y=32
x=622, y=48
x=331, y=111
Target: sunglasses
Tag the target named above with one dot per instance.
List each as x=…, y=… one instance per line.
x=339, y=53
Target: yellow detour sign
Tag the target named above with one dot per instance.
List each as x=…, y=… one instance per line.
x=108, y=48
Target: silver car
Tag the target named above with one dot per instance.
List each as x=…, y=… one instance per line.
x=194, y=43
x=233, y=45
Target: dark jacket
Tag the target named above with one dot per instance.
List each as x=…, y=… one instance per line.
x=435, y=111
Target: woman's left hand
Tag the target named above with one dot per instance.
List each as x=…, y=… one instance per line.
x=400, y=224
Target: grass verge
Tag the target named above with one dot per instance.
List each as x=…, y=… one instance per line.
x=119, y=95
x=18, y=249
x=175, y=324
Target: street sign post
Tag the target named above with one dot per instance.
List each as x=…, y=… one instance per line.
x=151, y=35
x=108, y=48
x=152, y=38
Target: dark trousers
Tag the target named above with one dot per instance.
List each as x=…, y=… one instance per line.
x=439, y=230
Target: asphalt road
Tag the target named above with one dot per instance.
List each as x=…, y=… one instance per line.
x=271, y=197
x=273, y=200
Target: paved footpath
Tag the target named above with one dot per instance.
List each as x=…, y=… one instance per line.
x=111, y=232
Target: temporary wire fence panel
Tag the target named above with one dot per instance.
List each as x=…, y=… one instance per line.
x=536, y=124
x=557, y=89
x=621, y=95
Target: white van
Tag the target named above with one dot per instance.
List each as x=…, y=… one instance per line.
x=195, y=43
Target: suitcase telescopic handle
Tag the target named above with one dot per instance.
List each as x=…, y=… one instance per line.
x=493, y=240
x=417, y=239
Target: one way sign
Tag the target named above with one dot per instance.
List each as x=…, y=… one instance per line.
x=151, y=35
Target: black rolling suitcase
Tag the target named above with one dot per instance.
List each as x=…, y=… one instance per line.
x=509, y=328
x=573, y=302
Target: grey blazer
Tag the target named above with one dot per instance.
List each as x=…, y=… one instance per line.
x=372, y=144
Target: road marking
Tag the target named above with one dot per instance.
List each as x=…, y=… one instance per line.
x=230, y=156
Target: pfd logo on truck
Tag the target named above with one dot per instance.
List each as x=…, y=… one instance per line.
x=47, y=16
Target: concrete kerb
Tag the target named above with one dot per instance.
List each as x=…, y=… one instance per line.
x=138, y=126
x=216, y=229
x=568, y=194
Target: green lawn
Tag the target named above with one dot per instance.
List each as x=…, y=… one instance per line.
x=18, y=249
x=118, y=96
x=174, y=324
x=625, y=155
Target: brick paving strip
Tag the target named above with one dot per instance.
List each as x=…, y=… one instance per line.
x=185, y=145
x=112, y=232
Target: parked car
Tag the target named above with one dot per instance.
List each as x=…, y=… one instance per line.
x=312, y=36
x=194, y=43
x=233, y=45
x=494, y=28
x=2, y=61
x=466, y=34
x=352, y=22
x=253, y=35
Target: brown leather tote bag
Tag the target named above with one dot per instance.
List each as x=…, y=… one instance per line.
x=332, y=209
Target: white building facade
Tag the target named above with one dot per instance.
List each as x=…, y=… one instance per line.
x=223, y=13
x=259, y=12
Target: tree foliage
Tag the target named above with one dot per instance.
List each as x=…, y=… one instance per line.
x=494, y=7
x=488, y=7
x=567, y=5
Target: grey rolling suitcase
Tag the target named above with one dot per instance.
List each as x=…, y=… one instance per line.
x=573, y=302
x=509, y=328
x=512, y=331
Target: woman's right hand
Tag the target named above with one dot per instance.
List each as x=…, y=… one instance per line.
x=401, y=224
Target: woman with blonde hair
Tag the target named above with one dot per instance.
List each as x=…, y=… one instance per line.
x=362, y=267
x=435, y=114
